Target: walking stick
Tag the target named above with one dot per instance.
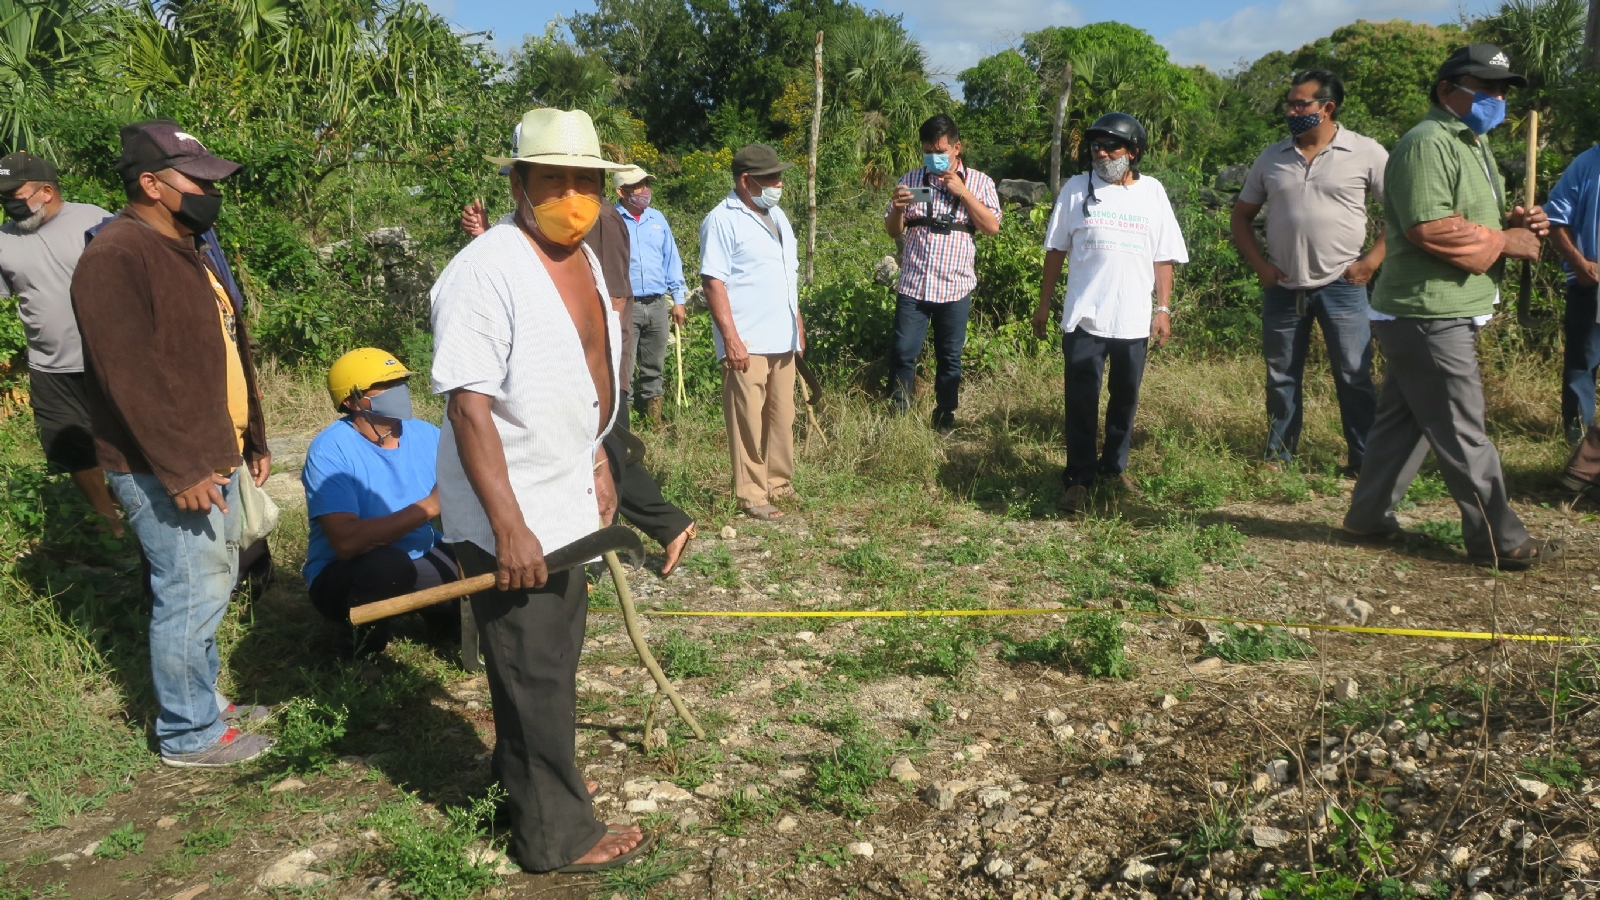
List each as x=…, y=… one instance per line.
x=677, y=331
x=630, y=620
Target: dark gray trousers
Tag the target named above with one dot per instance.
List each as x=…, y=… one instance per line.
x=530, y=642
x=652, y=323
x=1433, y=397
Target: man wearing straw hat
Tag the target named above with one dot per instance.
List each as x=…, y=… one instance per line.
x=526, y=346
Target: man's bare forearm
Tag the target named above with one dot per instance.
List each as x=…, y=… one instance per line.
x=1241, y=226
x=483, y=459
x=1566, y=247
x=1164, y=283
x=1053, y=260
x=721, y=308
x=350, y=535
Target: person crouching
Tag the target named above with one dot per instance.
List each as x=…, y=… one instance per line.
x=371, y=495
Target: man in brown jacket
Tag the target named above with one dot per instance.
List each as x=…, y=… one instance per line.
x=176, y=413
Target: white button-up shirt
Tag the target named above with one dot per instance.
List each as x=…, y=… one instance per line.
x=761, y=272
x=500, y=329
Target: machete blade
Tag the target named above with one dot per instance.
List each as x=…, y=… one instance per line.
x=618, y=538
x=810, y=377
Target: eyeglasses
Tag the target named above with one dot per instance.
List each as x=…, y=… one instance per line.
x=1108, y=145
x=1301, y=105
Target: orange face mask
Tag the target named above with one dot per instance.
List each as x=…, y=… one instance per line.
x=567, y=220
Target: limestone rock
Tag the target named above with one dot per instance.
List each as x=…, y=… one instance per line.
x=488, y=856
x=1278, y=771
x=294, y=870
x=1531, y=790
x=288, y=784
x=709, y=790
x=904, y=771
x=1132, y=757
x=728, y=533
x=642, y=806
x=191, y=893
x=1023, y=192
x=1267, y=837
x=1580, y=857
x=788, y=824
x=1168, y=701
x=1346, y=689
x=991, y=797
x=886, y=271
x=1139, y=872
x=1458, y=857
x=1053, y=717
x=859, y=848
x=997, y=868
x=669, y=792
x=940, y=796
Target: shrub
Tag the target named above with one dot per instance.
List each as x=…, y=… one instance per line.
x=913, y=646
x=307, y=734
x=1244, y=644
x=684, y=657
x=843, y=775
x=430, y=858
x=1090, y=642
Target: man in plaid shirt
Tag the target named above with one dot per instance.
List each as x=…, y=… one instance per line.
x=937, y=271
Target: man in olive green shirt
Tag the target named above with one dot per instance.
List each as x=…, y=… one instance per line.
x=1449, y=236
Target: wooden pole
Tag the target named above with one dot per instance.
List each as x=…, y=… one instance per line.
x=1055, y=130
x=1530, y=190
x=811, y=165
x=1591, y=37
x=630, y=621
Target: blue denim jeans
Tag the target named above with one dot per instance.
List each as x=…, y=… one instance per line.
x=194, y=559
x=1341, y=309
x=911, y=318
x=1579, y=361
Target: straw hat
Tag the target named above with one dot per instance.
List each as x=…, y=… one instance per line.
x=557, y=137
x=631, y=176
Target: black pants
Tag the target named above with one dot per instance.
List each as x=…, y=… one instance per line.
x=378, y=574
x=1086, y=357
x=530, y=642
x=639, y=498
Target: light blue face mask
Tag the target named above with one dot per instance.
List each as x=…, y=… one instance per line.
x=937, y=163
x=394, y=403
x=1486, y=112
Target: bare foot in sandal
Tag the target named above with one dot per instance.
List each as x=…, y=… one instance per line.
x=618, y=839
x=764, y=512
x=676, y=548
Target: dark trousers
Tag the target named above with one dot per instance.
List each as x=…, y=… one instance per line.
x=630, y=339
x=378, y=574
x=1433, y=397
x=530, y=642
x=911, y=319
x=1086, y=357
x=1580, y=361
x=1286, y=317
x=639, y=498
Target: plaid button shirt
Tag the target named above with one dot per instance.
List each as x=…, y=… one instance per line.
x=940, y=268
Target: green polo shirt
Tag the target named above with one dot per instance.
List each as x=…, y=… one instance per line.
x=1437, y=170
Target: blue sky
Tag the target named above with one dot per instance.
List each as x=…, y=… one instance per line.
x=1217, y=33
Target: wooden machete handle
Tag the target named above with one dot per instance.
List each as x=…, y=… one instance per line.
x=394, y=606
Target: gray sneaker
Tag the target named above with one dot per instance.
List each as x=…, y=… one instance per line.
x=235, y=714
x=232, y=748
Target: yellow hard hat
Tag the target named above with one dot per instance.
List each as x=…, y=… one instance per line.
x=359, y=370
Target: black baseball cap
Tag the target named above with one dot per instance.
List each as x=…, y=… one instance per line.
x=758, y=159
x=20, y=167
x=1484, y=61
x=158, y=144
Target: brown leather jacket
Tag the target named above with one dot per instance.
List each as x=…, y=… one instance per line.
x=157, y=385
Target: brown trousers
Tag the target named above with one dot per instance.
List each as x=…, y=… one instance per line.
x=758, y=407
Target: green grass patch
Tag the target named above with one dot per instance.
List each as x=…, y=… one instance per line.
x=1246, y=644
x=681, y=656
x=121, y=842
x=871, y=565
x=637, y=878
x=1559, y=770
x=938, y=646
x=1090, y=642
x=843, y=775
x=427, y=852
x=716, y=563
x=307, y=735
x=1444, y=532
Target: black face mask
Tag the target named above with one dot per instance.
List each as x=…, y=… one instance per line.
x=198, y=212
x=17, y=209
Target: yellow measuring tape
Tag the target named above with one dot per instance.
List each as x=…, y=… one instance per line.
x=962, y=613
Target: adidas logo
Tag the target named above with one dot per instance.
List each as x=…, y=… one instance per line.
x=1500, y=60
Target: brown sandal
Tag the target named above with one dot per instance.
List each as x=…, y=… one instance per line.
x=766, y=512
x=1532, y=552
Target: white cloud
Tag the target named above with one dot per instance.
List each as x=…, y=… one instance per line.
x=958, y=33
x=1288, y=25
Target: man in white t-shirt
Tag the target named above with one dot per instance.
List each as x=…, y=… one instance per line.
x=1117, y=228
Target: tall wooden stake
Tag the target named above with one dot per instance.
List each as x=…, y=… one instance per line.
x=811, y=166
x=1591, y=37
x=1530, y=189
x=1055, y=130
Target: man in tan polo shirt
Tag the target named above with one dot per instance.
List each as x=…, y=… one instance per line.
x=1318, y=182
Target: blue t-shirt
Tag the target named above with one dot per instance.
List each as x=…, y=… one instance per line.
x=346, y=473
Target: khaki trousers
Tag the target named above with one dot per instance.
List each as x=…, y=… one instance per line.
x=758, y=407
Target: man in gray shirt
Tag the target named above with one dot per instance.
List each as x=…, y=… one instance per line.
x=1316, y=185
x=39, y=248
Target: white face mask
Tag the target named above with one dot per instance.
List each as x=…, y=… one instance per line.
x=1112, y=168
x=769, y=197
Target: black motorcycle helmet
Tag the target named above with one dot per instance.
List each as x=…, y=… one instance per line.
x=1123, y=127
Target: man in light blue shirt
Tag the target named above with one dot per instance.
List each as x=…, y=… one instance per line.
x=750, y=268
x=656, y=272
x=1574, y=210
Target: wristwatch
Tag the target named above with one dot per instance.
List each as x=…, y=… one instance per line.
x=1164, y=309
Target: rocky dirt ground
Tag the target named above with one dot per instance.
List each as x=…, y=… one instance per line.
x=1408, y=766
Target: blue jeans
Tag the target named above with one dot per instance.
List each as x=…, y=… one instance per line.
x=1341, y=308
x=911, y=318
x=194, y=559
x=1579, y=362
x=1086, y=357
